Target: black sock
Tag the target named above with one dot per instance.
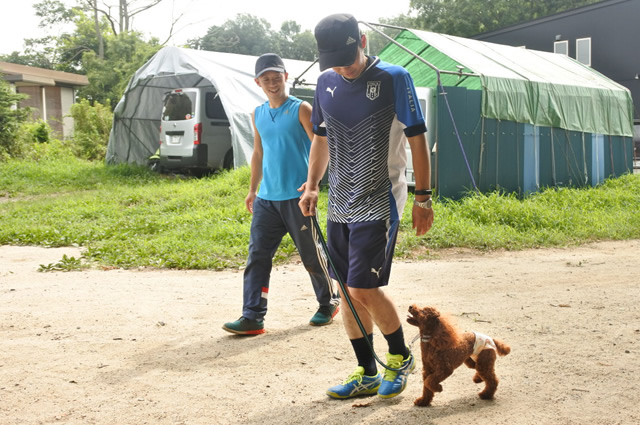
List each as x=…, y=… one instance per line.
x=396, y=343
x=364, y=355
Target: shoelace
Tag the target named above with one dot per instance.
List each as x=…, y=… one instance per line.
x=353, y=377
x=390, y=375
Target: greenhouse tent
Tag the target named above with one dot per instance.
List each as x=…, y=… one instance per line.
x=136, y=119
x=512, y=119
x=517, y=84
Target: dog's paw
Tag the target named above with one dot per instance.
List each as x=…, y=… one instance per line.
x=486, y=395
x=477, y=379
x=422, y=402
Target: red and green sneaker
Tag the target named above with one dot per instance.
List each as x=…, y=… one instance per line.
x=244, y=326
x=325, y=315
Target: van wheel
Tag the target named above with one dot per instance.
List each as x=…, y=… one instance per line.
x=227, y=164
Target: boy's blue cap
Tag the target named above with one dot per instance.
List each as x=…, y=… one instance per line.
x=269, y=62
x=338, y=38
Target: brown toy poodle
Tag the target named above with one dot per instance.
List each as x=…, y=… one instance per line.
x=444, y=348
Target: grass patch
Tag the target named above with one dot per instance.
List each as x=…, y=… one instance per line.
x=127, y=216
x=552, y=217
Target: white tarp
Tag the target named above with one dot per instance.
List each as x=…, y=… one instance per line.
x=136, y=119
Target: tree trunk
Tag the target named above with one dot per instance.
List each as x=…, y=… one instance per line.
x=124, y=16
x=96, y=19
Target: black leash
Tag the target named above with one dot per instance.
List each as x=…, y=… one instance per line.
x=347, y=298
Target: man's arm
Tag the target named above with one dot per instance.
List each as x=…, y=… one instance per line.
x=422, y=217
x=256, y=167
x=304, y=115
x=318, y=160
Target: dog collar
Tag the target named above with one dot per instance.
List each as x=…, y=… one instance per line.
x=425, y=338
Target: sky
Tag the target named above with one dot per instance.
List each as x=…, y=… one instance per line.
x=199, y=15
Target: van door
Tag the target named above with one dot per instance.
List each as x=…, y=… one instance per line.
x=179, y=138
x=216, y=133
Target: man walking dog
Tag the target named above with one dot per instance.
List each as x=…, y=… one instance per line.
x=364, y=111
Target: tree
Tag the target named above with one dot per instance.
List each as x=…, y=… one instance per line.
x=42, y=52
x=293, y=44
x=10, y=119
x=469, y=17
x=108, y=77
x=29, y=59
x=250, y=35
x=390, y=27
x=108, y=58
x=246, y=34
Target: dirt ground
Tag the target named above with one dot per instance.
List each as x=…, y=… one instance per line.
x=146, y=346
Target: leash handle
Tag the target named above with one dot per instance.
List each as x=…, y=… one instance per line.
x=347, y=298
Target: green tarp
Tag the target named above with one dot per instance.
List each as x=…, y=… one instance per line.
x=518, y=84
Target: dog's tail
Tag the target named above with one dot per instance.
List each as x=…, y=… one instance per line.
x=503, y=349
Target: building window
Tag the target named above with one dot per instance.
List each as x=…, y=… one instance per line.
x=583, y=51
x=561, y=47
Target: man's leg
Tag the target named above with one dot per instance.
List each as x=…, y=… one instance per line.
x=371, y=246
x=267, y=231
x=303, y=234
x=365, y=380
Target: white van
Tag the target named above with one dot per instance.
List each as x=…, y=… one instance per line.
x=194, y=131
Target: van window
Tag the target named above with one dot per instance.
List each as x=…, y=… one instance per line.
x=213, y=107
x=179, y=106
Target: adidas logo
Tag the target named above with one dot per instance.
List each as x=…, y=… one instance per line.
x=351, y=40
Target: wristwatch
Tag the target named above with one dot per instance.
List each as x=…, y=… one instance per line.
x=424, y=204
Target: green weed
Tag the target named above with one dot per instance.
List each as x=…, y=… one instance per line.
x=65, y=265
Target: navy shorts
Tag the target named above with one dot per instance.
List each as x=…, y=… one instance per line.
x=362, y=252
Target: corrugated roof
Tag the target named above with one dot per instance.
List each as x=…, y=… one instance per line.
x=517, y=84
x=39, y=76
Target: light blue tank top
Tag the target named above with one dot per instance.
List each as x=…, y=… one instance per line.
x=285, y=146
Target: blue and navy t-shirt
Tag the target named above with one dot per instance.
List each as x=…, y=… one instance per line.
x=366, y=122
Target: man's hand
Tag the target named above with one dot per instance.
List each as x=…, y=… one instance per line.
x=248, y=201
x=422, y=219
x=308, y=201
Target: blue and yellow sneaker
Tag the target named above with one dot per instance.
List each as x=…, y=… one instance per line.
x=357, y=384
x=394, y=382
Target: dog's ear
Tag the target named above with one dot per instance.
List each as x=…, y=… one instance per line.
x=448, y=335
x=430, y=312
x=433, y=321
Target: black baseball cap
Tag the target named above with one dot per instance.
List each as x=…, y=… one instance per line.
x=269, y=62
x=338, y=38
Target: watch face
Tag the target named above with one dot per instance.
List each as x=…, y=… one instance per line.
x=424, y=204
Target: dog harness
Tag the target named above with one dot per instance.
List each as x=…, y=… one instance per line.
x=483, y=342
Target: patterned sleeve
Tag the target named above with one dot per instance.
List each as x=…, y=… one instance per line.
x=316, y=113
x=407, y=104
